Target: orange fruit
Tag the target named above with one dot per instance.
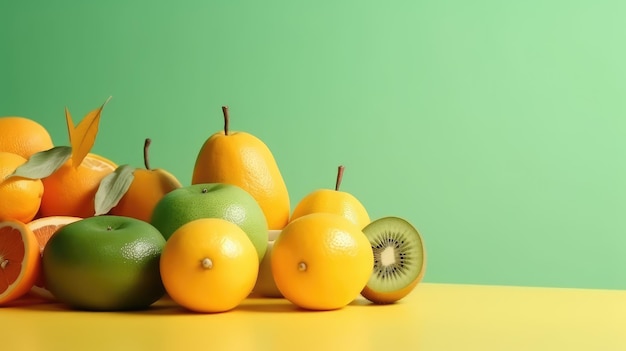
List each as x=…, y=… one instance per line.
x=19, y=260
x=71, y=191
x=146, y=190
x=20, y=198
x=333, y=201
x=242, y=159
x=321, y=261
x=209, y=265
x=23, y=136
x=43, y=228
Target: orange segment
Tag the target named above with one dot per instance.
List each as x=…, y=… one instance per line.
x=71, y=191
x=43, y=228
x=19, y=260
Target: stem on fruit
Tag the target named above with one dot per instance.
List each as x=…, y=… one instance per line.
x=207, y=263
x=205, y=190
x=226, y=119
x=339, y=177
x=302, y=266
x=109, y=228
x=146, y=146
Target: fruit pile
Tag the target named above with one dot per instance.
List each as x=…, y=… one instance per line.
x=78, y=229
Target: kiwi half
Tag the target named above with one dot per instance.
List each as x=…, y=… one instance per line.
x=399, y=259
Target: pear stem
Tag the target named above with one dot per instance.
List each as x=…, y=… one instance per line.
x=339, y=177
x=226, y=119
x=146, y=146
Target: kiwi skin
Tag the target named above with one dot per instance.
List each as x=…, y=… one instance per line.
x=383, y=298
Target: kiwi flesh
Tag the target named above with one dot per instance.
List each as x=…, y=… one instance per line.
x=399, y=259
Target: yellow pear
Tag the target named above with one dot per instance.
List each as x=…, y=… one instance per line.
x=333, y=201
x=241, y=159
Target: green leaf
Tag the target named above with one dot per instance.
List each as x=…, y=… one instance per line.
x=112, y=188
x=43, y=163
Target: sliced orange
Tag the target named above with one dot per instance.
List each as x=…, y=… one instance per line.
x=43, y=228
x=19, y=260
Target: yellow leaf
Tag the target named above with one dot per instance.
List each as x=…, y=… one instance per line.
x=84, y=135
x=70, y=125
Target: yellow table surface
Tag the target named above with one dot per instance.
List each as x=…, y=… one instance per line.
x=432, y=317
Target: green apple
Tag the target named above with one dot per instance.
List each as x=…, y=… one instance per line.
x=105, y=263
x=212, y=200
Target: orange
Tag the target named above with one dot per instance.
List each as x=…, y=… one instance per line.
x=209, y=265
x=20, y=198
x=242, y=159
x=19, y=260
x=321, y=261
x=71, y=191
x=43, y=228
x=147, y=189
x=23, y=136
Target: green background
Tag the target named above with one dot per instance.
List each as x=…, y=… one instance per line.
x=495, y=127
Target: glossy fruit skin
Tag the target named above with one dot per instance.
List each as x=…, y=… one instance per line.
x=223, y=285
x=105, y=263
x=20, y=198
x=333, y=201
x=146, y=190
x=337, y=258
x=214, y=200
x=71, y=191
x=23, y=136
x=242, y=159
